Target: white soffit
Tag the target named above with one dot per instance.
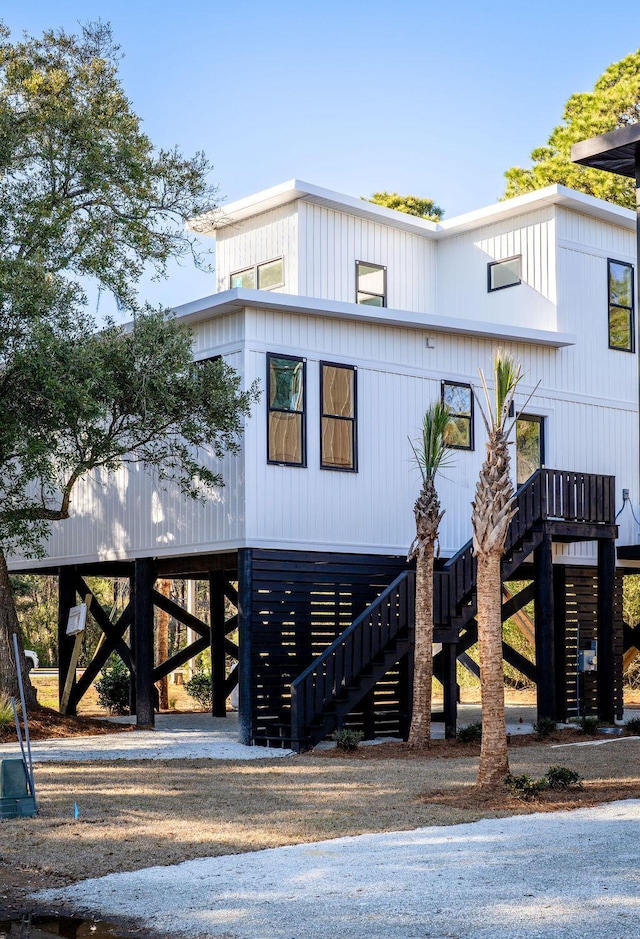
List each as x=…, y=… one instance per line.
x=295, y=189
x=231, y=301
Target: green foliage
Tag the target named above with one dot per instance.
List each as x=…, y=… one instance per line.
x=561, y=777
x=113, y=686
x=544, y=727
x=589, y=725
x=347, y=739
x=614, y=102
x=410, y=205
x=632, y=726
x=199, y=688
x=6, y=711
x=432, y=452
x=471, y=733
x=524, y=786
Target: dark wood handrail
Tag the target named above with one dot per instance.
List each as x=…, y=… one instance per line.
x=559, y=495
x=344, y=659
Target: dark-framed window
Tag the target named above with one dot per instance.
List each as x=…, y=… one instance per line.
x=371, y=284
x=286, y=390
x=506, y=273
x=621, y=306
x=529, y=446
x=338, y=417
x=459, y=399
x=265, y=276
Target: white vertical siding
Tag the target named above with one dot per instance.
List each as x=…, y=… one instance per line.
x=267, y=236
x=334, y=241
x=462, y=272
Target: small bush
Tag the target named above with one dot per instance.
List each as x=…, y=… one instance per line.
x=113, y=687
x=347, y=739
x=472, y=733
x=525, y=787
x=544, y=727
x=589, y=725
x=199, y=688
x=561, y=777
x=632, y=726
x=6, y=711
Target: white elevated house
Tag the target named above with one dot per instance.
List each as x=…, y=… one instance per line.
x=354, y=318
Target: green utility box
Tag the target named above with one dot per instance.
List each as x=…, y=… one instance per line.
x=15, y=799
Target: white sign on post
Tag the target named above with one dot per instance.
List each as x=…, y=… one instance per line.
x=77, y=619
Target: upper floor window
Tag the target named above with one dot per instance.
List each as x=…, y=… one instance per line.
x=338, y=417
x=264, y=276
x=286, y=417
x=620, y=275
x=371, y=284
x=459, y=399
x=505, y=273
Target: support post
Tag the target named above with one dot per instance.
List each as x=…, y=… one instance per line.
x=606, y=628
x=450, y=689
x=560, y=634
x=144, y=577
x=218, y=658
x=544, y=623
x=245, y=625
x=66, y=600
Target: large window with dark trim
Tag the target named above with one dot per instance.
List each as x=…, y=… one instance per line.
x=264, y=276
x=621, y=319
x=529, y=446
x=459, y=399
x=506, y=273
x=371, y=284
x=338, y=417
x=286, y=415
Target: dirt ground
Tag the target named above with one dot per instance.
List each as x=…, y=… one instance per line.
x=138, y=814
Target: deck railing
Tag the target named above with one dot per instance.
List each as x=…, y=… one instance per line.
x=547, y=495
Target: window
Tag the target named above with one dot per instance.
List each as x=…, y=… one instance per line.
x=371, y=284
x=285, y=397
x=264, y=276
x=505, y=273
x=459, y=399
x=337, y=417
x=529, y=446
x=620, y=277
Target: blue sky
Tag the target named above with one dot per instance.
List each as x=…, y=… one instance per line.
x=431, y=98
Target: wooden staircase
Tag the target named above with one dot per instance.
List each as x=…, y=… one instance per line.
x=333, y=685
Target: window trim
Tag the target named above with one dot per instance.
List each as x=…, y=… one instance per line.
x=468, y=417
x=380, y=267
x=541, y=420
x=303, y=412
x=339, y=417
x=492, y=264
x=256, y=274
x=617, y=306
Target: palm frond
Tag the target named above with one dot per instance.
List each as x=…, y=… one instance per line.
x=507, y=374
x=432, y=451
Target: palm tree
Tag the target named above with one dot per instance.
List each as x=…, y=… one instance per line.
x=431, y=454
x=493, y=509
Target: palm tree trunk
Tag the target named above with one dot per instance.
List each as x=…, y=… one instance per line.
x=9, y=626
x=420, y=731
x=494, y=760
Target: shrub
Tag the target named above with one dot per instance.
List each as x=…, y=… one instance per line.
x=347, y=739
x=113, y=687
x=632, y=726
x=472, y=733
x=561, y=777
x=589, y=725
x=544, y=727
x=525, y=787
x=6, y=711
x=199, y=688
